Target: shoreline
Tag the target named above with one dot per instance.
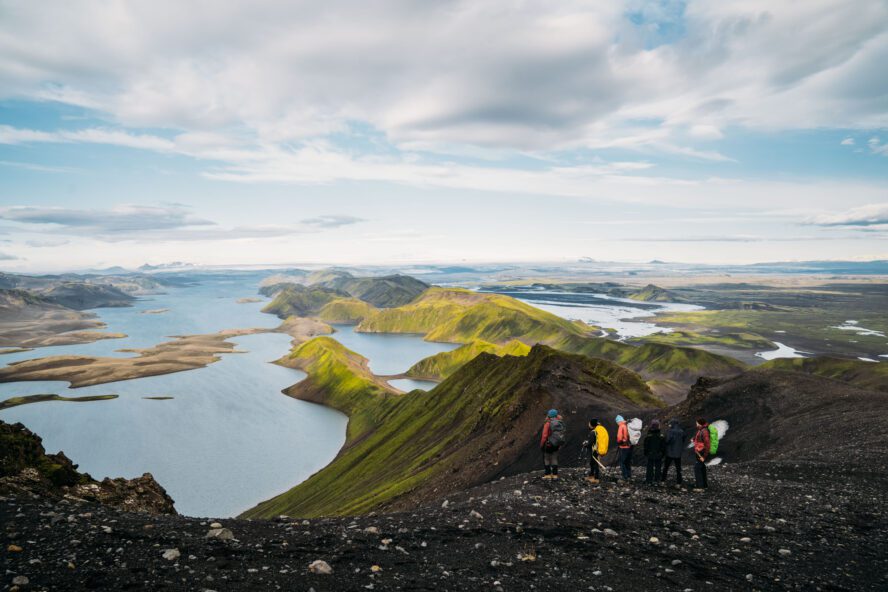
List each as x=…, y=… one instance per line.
x=184, y=352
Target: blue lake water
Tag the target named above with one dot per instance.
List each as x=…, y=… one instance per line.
x=228, y=439
x=389, y=353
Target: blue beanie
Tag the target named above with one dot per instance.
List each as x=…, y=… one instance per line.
x=553, y=413
x=620, y=418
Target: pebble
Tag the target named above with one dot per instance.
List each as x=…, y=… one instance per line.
x=785, y=552
x=654, y=541
x=223, y=534
x=215, y=525
x=20, y=581
x=320, y=567
x=171, y=554
x=476, y=515
x=610, y=532
x=371, y=530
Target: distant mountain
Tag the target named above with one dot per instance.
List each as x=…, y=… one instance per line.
x=175, y=265
x=81, y=295
x=298, y=300
x=382, y=292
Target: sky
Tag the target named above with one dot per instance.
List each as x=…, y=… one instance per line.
x=385, y=132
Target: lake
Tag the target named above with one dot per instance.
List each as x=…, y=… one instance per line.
x=228, y=439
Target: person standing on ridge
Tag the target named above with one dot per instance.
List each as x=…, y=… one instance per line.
x=701, y=451
x=674, y=447
x=654, y=450
x=551, y=441
x=625, y=448
x=597, y=443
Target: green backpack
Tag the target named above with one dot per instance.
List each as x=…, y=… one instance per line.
x=713, y=439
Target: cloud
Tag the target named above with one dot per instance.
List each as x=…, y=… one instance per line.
x=38, y=167
x=558, y=75
x=40, y=244
x=848, y=142
x=332, y=221
x=8, y=257
x=868, y=216
x=116, y=221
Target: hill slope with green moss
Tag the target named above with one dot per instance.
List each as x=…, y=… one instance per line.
x=442, y=365
x=301, y=301
x=346, y=310
x=382, y=292
x=481, y=422
x=463, y=316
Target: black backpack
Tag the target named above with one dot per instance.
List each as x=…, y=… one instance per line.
x=556, y=434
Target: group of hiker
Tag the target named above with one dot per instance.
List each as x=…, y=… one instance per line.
x=661, y=450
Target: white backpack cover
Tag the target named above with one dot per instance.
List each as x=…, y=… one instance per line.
x=634, y=425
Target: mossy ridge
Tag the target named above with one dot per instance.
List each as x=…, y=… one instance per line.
x=857, y=372
x=442, y=365
x=346, y=310
x=298, y=300
x=338, y=378
x=420, y=441
x=464, y=316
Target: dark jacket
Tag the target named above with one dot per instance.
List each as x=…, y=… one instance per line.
x=654, y=444
x=675, y=440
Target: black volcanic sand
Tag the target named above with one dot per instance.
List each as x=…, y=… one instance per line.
x=762, y=526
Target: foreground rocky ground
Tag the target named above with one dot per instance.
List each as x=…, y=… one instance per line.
x=762, y=526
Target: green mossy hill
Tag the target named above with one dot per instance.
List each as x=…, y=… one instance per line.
x=463, y=316
x=301, y=301
x=652, y=293
x=346, y=310
x=338, y=378
x=383, y=292
x=857, y=372
x=442, y=365
x=482, y=422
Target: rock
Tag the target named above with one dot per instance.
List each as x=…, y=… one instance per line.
x=371, y=530
x=610, y=532
x=215, y=525
x=222, y=534
x=14, y=549
x=785, y=552
x=746, y=540
x=171, y=554
x=476, y=515
x=320, y=567
x=20, y=581
x=654, y=540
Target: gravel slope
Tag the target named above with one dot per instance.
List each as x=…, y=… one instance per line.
x=812, y=528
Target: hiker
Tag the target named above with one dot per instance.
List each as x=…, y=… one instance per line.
x=625, y=448
x=674, y=447
x=596, y=442
x=552, y=440
x=701, y=451
x=654, y=450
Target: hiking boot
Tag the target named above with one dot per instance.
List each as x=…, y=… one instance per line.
x=548, y=476
x=553, y=477
x=699, y=489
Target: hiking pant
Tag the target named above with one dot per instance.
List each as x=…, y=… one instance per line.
x=677, y=463
x=550, y=459
x=653, y=470
x=626, y=462
x=700, y=474
x=594, y=469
